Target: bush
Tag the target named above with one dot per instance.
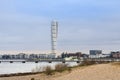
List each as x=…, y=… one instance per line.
x=69, y=69
x=61, y=67
x=58, y=68
x=32, y=78
x=116, y=63
x=86, y=62
x=48, y=70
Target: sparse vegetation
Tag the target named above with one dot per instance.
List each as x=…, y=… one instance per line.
x=32, y=78
x=86, y=63
x=48, y=70
x=58, y=68
x=116, y=63
x=61, y=67
x=64, y=67
x=69, y=69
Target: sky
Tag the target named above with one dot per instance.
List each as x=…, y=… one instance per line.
x=83, y=25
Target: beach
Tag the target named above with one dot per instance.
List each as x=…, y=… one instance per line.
x=93, y=72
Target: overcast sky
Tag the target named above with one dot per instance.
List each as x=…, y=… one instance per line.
x=83, y=24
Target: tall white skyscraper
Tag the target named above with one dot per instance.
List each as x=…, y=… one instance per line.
x=54, y=34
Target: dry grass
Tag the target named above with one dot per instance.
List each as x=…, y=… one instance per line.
x=32, y=78
x=86, y=63
x=48, y=70
x=58, y=68
x=61, y=67
x=116, y=63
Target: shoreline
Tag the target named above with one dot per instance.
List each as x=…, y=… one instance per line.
x=110, y=71
x=34, y=73
x=20, y=74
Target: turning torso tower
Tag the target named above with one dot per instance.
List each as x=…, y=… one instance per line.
x=54, y=34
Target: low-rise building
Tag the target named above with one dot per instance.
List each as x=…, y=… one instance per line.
x=42, y=56
x=95, y=52
x=22, y=56
x=5, y=56
x=99, y=56
x=115, y=54
x=73, y=55
x=51, y=56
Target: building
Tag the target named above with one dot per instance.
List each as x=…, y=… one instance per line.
x=73, y=55
x=33, y=56
x=5, y=56
x=54, y=34
x=51, y=56
x=22, y=56
x=12, y=56
x=85, y=56
x=100, y=56
x=42, y=56
x=115, y=54
x=95, y=52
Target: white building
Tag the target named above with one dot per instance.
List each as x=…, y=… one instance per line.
x=52, y=55
x=22, y=56
x=42, y=56
x=99, y=56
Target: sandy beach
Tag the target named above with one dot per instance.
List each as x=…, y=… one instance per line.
x=94, y=72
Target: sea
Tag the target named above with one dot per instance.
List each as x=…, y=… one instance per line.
x=19, y=67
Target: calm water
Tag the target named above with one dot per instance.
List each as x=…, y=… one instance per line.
x=18, y=67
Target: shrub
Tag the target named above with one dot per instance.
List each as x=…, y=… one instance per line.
x=116, y=63
x=86, y=62
x=48, y=70
x=61, y=67
x=58, y=68
x=32, y=78
x=69, y=69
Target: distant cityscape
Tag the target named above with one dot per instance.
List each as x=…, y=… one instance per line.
x=93, y=54
x=64, y=55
